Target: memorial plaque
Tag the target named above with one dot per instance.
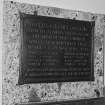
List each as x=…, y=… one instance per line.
x=55, y=50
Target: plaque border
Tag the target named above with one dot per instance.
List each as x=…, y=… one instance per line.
x=21, y=79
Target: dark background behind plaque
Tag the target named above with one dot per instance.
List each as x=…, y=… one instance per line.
x=55, y=50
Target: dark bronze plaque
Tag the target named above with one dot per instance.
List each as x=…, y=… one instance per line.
x=55, y=50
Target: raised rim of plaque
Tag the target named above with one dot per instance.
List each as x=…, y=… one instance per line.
x=62, y=102
x=23, y=73
x=25, y=15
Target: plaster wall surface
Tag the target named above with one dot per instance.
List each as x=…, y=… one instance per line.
x=13, y=93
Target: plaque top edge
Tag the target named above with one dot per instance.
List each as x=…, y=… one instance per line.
x=31, y=16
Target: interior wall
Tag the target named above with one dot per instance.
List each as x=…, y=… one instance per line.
x=1, y=29
x=13, y=93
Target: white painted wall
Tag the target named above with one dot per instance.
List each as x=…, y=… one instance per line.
x=1, y=20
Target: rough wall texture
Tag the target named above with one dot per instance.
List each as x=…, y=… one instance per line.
x=13, y=93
